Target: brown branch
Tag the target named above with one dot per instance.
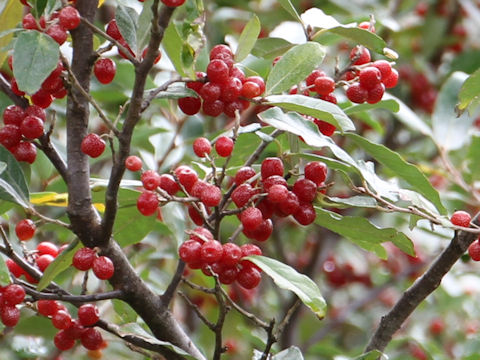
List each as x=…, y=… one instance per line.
x=7, y=90
x=38, y=295
x=420, y=289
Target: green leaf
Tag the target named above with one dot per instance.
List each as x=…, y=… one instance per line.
x=248, y=37
x=60, y=264
x=354, y=201
x=124, y=311
x=469, y=95
x=127, y=22
x=362, y=232
x=404, y=170
x=39, y=7
x=173, y=45
x=408, y=117
x=292, y=353
x=35, y=56
x=391, y=105
x=450, y=131
x=474, y=158
x=9, y=17
x=288, y=278
x=4, y=273
x=358, y=36
x=144, y=25
x=13, y=186
x=270, y=48
x=317, y=108
x=288, y=6
x=371, y=355
x=294, y=66
x=176, y=91
x=136, y=330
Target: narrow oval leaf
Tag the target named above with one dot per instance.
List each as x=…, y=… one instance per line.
x=404, y=170
x=144, y=25
x=317, y=108
x=11, y=12
x=288, y=278
x=288, y=6
x=449, y=130
x=362, y=232
x=294, y=66
x=408, y=117
x=13, y=186
x=35, y=55
x=127, y=22
x=173, y=45
x=270, y=48
x=358, y=36
x=470, y=92
x=62, y=262
x=248, y=37
x=389, y=104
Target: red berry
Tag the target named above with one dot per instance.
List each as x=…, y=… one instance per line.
x=384, y=66
x=69, y=17
x=83, y=258
x=324, y=127
x=43, y=261
x=474, y=250
x=63, y=340
x=32, y=127
x=257, y=80
x=47, y=307
x=243, y=174
x=277, y=193
x=200, y=234
x=310, y=79
x=173, y=3
x=376, y=94
x=211, y=195
x=369, y=77
x=9, y=315
x=391, y=80
x=250, y=249
x=35, y=110
x=133, y=163
x=220, y=49
x=230, y=90
x=262, y=232
x=57, y=33
x=186, y=176
x=231, y=254
x=195, y=216
x=25, y=229
x=47, y=248
x=189, y=251
x=290, y=205
x=210, y=92
x=218, y=71
x=190, y=105
x=271, y=166
x=104, y=70
x=29, y=22
x=10, y=135
x=147, y=203
x=13, y=294
x=249, y=277
x=113, y=31
x=251, y=218
x=14, y=268
x=103, y=268
x=273, y=180
x=461, y=218
x=324, y=85
x=227, y=275
x=42, y=98
x=361, y=54
x=437, y=326
x=356, y=93
x=168, y=183
x=250, y=90
x=150, y=179
x=202, y=147
x=224, y=146
x=230, y=109
x=305, y=213
x=88, y=314
x=366, y=26
x=93, y=145
x=13, y=115
x=242, y=194
x=211, y=251
x=91, y=338
x=305, y=189
x=25, y=151
x=61, y=320
x=15, y=89
x=213, y=108
x=316, y=171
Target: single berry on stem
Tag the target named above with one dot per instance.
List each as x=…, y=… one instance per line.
x=224, y=146
x=93, y=145
x=461, y=218
x=103, y=268
x=25, y=229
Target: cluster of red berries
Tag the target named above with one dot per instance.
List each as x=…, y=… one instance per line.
x=44, y=254
x=113, y=31
x=68, y=18
x=223, y=146
x=370, y=79
x=338, y=275
x=10, y=296
x=87, y=258
x=92, y=145
x=52, y=87
x=71, y=329
x=21, y=127
x=202, y=251
x=281, y=198
x=223, y=88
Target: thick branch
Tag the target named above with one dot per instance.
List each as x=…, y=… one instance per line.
x=420, y=289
